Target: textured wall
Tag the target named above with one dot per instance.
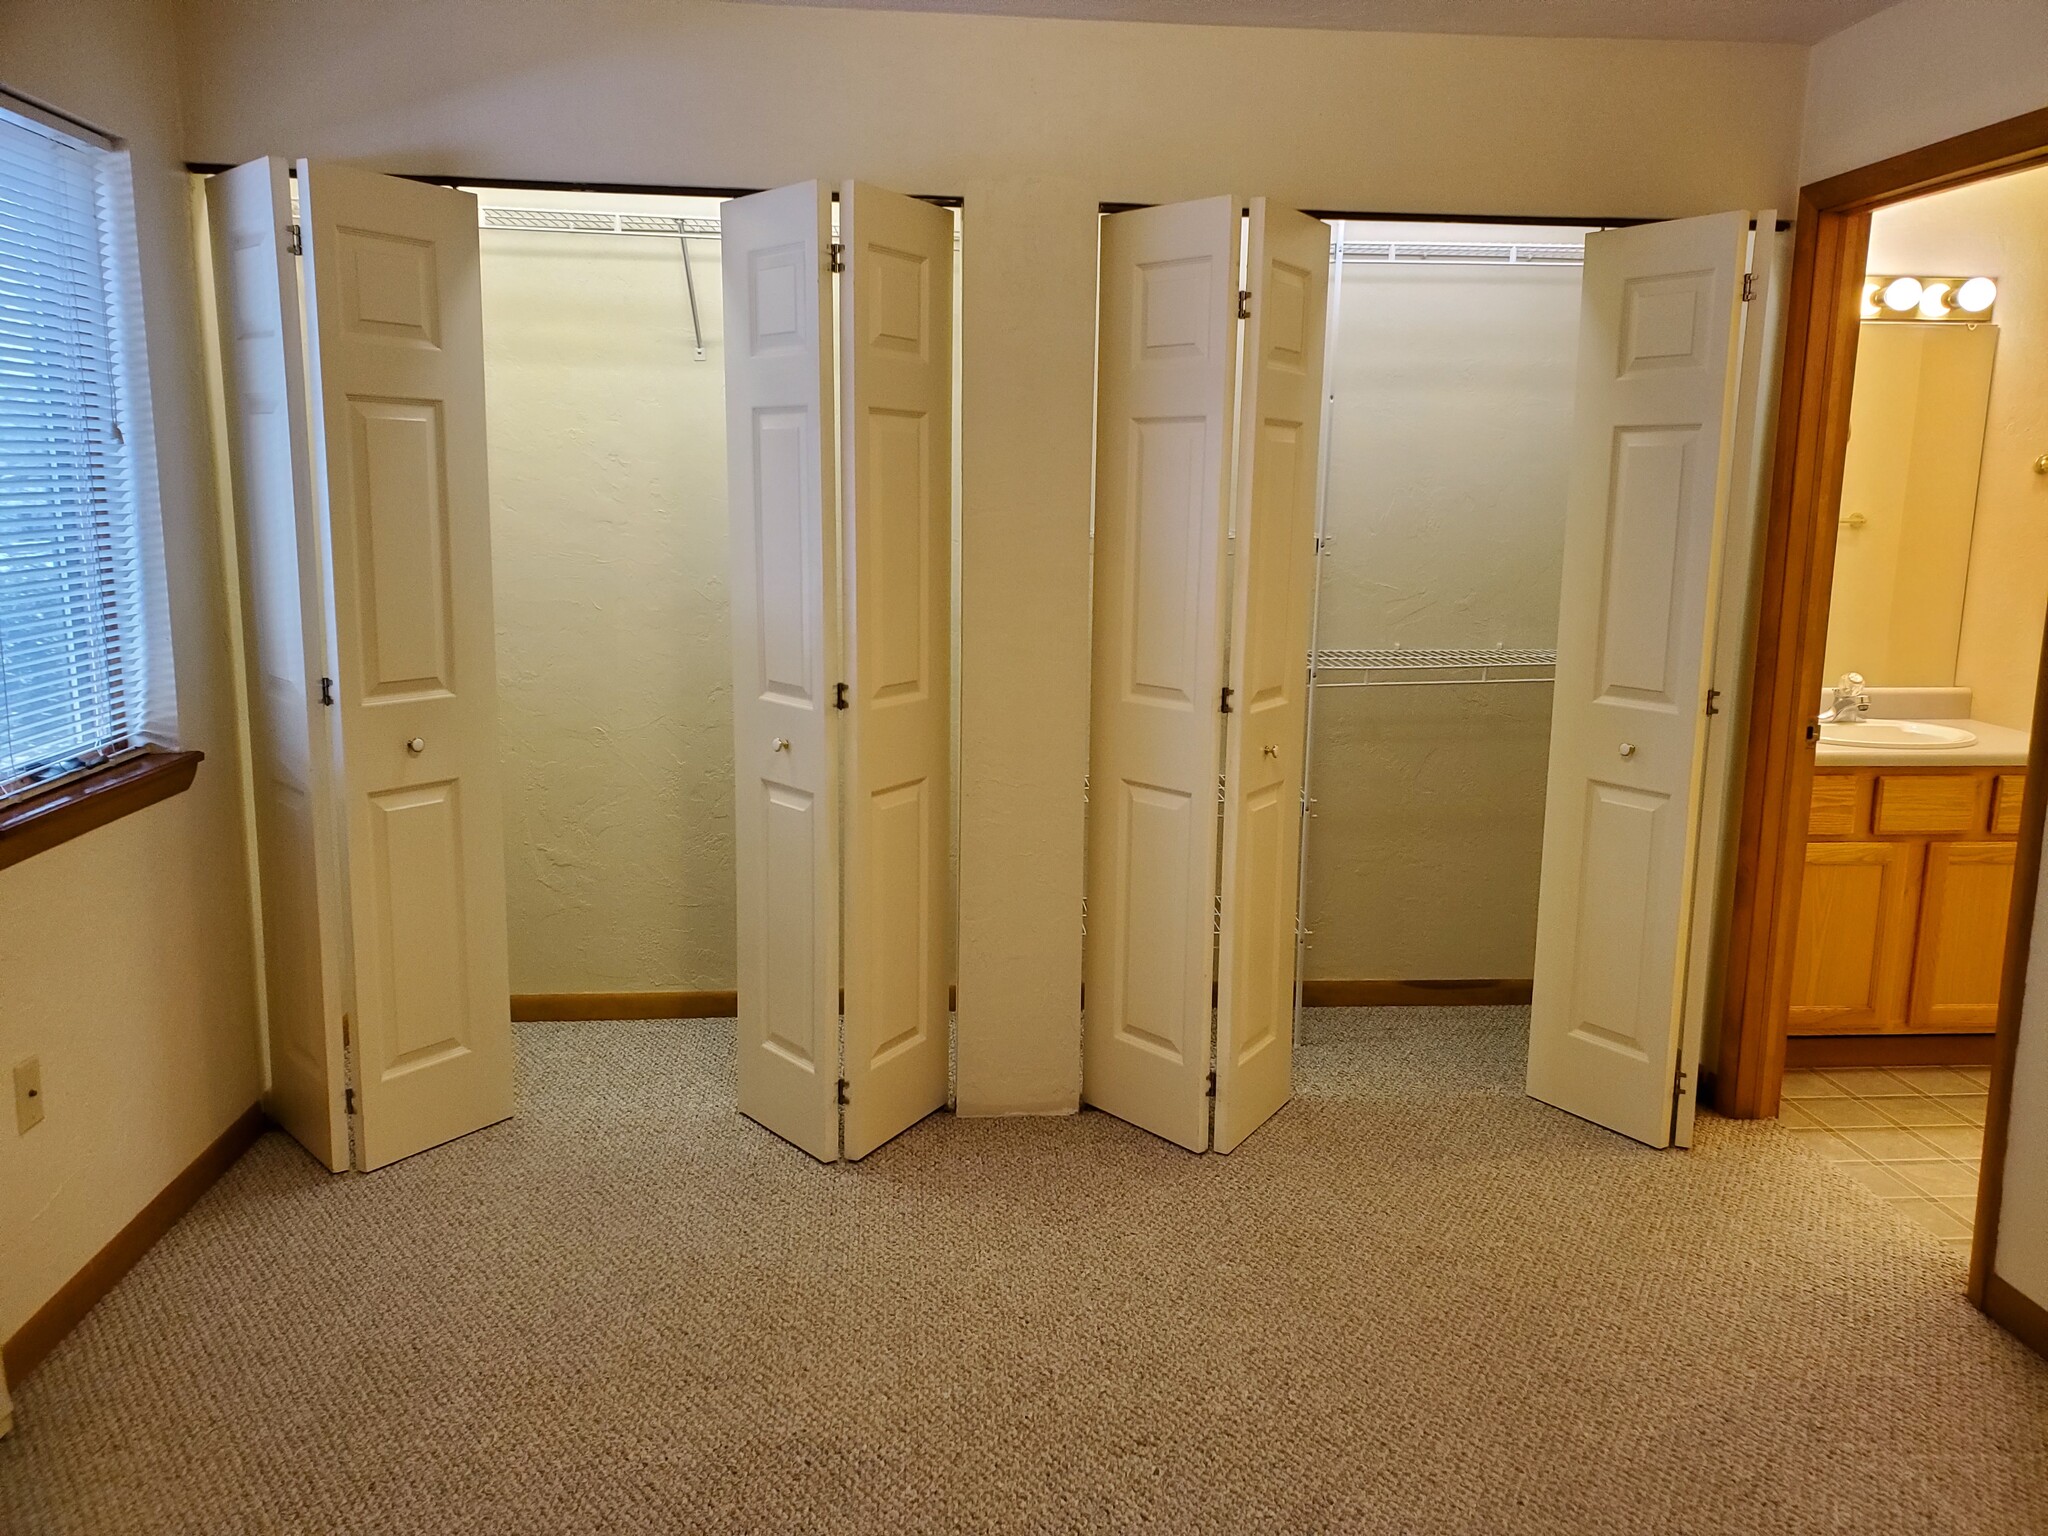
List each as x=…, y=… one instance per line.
x=608, y=525
x=126, y=955
x=692, y=93
x=1448, y=465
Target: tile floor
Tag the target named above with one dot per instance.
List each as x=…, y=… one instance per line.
x=1911, y=1134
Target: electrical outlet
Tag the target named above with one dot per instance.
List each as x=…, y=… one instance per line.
x=28, y=1095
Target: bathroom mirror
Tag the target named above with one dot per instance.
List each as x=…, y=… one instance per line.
x=1909, y=500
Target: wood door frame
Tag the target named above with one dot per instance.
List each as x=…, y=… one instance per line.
x=1824, y=303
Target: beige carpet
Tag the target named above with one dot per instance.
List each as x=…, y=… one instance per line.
x=1415, y=1302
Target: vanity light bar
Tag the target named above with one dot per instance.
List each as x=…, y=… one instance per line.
x=1905, y=297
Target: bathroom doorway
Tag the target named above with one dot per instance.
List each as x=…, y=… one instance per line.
x=1943, y=237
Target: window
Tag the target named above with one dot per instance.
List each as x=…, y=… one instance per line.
x=74, y=664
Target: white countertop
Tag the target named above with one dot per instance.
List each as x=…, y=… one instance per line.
x=1996, y=746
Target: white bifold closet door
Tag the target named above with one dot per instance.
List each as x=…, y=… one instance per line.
x=284, y=617
x=366, y=532
x=1279, y=438
x=841, y=614
x=1655, y=469
x=1160, y=1033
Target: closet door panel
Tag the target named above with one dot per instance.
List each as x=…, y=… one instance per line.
x=785, y=625
x=284, y=606
x=397, y=369
x=1652, y=471
x=1273, y=577
x=1165, y=380
x=896, y=369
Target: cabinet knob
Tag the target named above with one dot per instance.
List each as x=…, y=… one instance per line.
x=417, y=745
x=1628, y=749
x=781, y=744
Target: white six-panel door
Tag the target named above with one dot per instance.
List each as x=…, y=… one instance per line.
x=1273, y=577
x=398, y=412
x=284, y=608
x=785, y=630
x=1165, y=378
x=896, y=393
x=1651, y=478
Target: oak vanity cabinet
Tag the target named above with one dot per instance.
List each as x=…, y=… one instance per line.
x=1902, y=915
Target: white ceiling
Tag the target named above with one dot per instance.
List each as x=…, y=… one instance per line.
x=1782, y=21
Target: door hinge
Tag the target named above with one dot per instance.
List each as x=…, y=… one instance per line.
x=1212, y=1082
x=294, y=241
x=348, y=1097
x=1226, y=700
x=1678, y=1084
x=835, y=257
x=1244, y=303
x=1813, y=730
x=326, y=690
x=1712, y=695
x=842, y=1092
x=839, y=696
x=1748, y=286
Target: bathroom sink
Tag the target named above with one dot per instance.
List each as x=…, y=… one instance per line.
x=1907, y=735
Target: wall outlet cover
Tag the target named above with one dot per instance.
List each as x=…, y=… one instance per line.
x=28, y=1095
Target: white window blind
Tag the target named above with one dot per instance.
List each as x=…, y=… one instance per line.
x=71, y=601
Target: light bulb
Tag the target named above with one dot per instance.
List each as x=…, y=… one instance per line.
x=1935, y=301
x=1976, y=295
x=1870, y=310
x=1902, y=294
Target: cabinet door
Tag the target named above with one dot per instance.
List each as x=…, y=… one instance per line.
x=1855, y=943
x=1959, y=960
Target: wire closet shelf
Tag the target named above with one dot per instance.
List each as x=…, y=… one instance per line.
x=1405, y=667
x=580, y=221
x=1442, y=253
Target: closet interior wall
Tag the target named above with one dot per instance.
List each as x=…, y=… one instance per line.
x=1450, y=433
x=605, y=390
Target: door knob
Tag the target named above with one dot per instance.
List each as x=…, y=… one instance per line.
x=781, y=744
x=417, y=745
x=1628, y=749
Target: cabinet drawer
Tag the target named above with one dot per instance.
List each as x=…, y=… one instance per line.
x=2005, y=809
x=1837, y=808
x=1929, y=802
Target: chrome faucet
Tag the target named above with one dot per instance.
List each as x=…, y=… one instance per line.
x=1851, y=698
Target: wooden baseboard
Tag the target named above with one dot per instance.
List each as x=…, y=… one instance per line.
x=2021, y=1316
x=34, y=1339
x=579, y=1007
x=535, y=1007
x=1409, y=994
x=1890, y=1050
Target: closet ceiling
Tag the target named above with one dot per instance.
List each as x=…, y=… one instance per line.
x=1778, y=21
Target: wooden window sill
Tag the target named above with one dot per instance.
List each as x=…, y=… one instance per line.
x=28, y=827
